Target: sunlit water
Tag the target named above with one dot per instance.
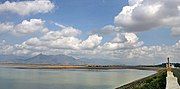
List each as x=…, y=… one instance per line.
x=67, y=79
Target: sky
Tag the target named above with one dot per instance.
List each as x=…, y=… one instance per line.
x=131, y=31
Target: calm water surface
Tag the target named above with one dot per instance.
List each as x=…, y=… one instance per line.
x=67, y=79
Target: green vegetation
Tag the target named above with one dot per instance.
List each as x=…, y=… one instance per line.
x=176, y=73
x=162, y=65
x=156, y=81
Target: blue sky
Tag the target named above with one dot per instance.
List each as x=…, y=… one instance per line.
x=88, y=15
x=85, y=15
x=118, y=25
x=158, y=37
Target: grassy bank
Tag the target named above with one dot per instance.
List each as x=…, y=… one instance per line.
x=155, y=81
x=176, y=73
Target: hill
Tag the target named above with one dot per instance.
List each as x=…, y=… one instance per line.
x=52, y=59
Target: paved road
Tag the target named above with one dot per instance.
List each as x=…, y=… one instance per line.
x=171, y=81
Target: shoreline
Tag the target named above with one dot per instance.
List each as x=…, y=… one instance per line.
x=56, y=66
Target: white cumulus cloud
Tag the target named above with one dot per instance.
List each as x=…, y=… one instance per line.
x=122, y=41
x=5, y=27
x=27, y=7
x=92, y=42
x=66, y=31
x=142, y=15
x=64, y=38
x=27, y=27
x=23, y=28
x=63, y=42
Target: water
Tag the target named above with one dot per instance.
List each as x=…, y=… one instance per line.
x=67, y=79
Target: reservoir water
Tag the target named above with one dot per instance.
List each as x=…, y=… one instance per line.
x=68, y=79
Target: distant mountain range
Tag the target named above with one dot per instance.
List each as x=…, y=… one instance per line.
x=40, y=59
x=12, y=58
x=53, y=59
